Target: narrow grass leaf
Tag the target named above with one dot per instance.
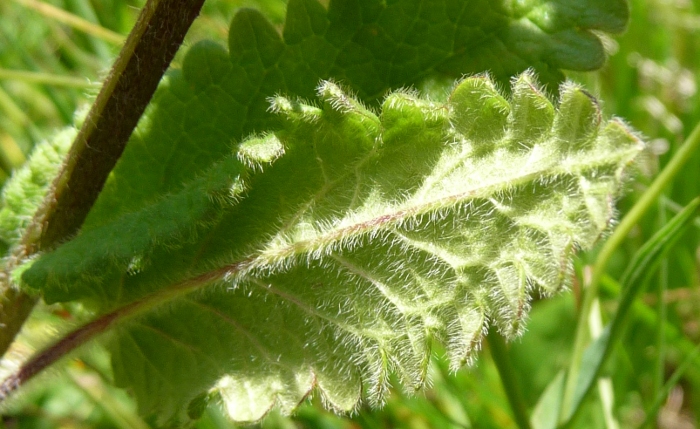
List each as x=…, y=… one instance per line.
x=546, y=412
x=640, y=269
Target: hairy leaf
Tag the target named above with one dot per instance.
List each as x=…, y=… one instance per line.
x=25, y=190
x=369, y=45
x=371, y=235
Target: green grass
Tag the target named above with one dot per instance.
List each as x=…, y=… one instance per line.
x=49, y=68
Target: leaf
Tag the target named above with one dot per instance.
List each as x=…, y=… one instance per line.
x=371, y=236
x=24, y=192
x=546, y=412
x=368, y=45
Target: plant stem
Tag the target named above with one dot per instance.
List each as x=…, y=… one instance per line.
x=509, y=379
x=662, y=310
x=87, y=332
x=52, y=354
x=648, y=200
x=151, y=45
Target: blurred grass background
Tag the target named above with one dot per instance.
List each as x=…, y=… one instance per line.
x=52, y=59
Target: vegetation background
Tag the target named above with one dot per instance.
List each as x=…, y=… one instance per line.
x=53, y=56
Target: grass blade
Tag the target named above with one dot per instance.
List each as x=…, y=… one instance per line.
x=46, y=79
x=74, y=21
x=642, y=266
x=544, y=416
x=647, y=200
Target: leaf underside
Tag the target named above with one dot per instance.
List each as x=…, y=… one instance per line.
x=334, y=251
x=24, y=192
x=371, y=231
x=370, y=46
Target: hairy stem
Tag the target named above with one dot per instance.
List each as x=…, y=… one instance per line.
x=58, y=350
x=647, y=201
x=151, y=45
x=87, y=332
x=157, y=35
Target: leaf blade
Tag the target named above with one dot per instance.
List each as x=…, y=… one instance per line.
x=371, y=235
x=222, y=96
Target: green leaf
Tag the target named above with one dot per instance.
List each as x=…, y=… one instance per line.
x=371, y=236
x=25, y=191
x=546, y=412
x=368, y=45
